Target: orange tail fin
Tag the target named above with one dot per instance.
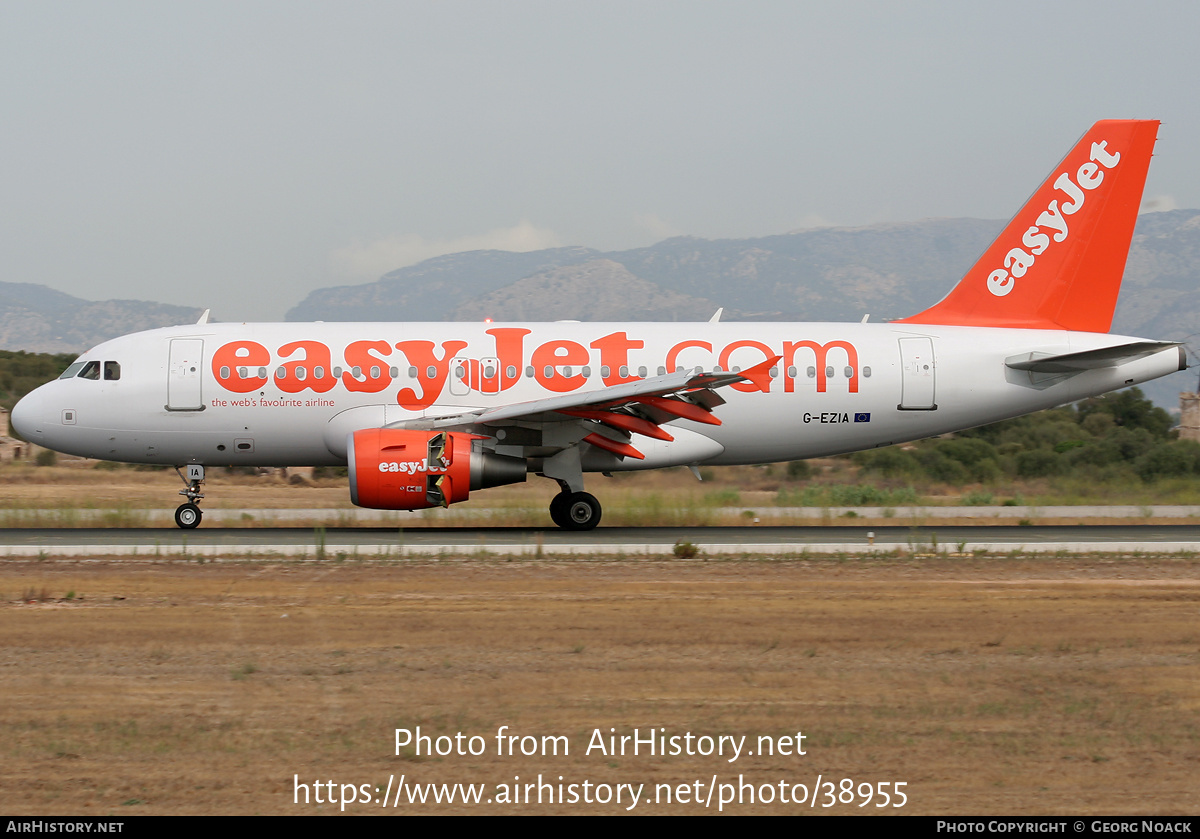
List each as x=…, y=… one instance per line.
x=1059, y=262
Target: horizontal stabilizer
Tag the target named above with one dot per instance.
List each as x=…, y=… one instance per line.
x=1092, y=359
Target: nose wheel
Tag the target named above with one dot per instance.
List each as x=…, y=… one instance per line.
x=575, y=511
x=188, y=515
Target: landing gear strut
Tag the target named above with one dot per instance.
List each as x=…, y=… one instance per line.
x=188, y=515
x=575, y=510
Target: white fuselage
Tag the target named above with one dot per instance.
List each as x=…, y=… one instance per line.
x=232, y=394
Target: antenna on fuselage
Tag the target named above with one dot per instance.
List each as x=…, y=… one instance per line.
x=203, y=317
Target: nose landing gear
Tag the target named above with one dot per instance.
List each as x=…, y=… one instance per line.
x=188, y=515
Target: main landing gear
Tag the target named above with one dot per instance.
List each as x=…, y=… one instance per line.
x=188, y=515
x=572, y=508
x=575, y=510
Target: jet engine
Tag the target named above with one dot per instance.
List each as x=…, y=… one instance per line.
x=398, y=469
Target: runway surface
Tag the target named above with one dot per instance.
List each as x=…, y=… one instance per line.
x=374, y=542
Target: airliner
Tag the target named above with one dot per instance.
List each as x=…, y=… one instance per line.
x=423, y=414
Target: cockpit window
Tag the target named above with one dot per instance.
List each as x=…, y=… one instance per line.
x=111, y=370
x=73, y=371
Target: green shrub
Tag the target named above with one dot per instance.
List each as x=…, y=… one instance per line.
x=977, y=499
x=846, y=495
x=799, y=470
x=723, y=498
x=1039, y=463
x=889, y=462
x=1176, y=459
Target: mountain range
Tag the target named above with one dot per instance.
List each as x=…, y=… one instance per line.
x=39, y=319
x=815, y=275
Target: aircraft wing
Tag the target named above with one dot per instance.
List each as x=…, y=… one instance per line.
x=632, y=408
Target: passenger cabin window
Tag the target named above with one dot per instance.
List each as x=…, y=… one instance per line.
x=112, y=371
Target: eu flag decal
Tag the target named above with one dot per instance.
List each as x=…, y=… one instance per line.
x=862, y=417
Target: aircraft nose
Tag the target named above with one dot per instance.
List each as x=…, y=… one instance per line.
x=27, y=416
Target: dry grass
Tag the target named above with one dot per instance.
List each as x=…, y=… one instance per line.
x=79, y=494
x=989, y=686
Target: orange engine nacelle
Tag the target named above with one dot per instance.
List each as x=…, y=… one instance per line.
x=396, y=469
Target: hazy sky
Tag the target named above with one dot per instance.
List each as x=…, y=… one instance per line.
x=237, y=155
